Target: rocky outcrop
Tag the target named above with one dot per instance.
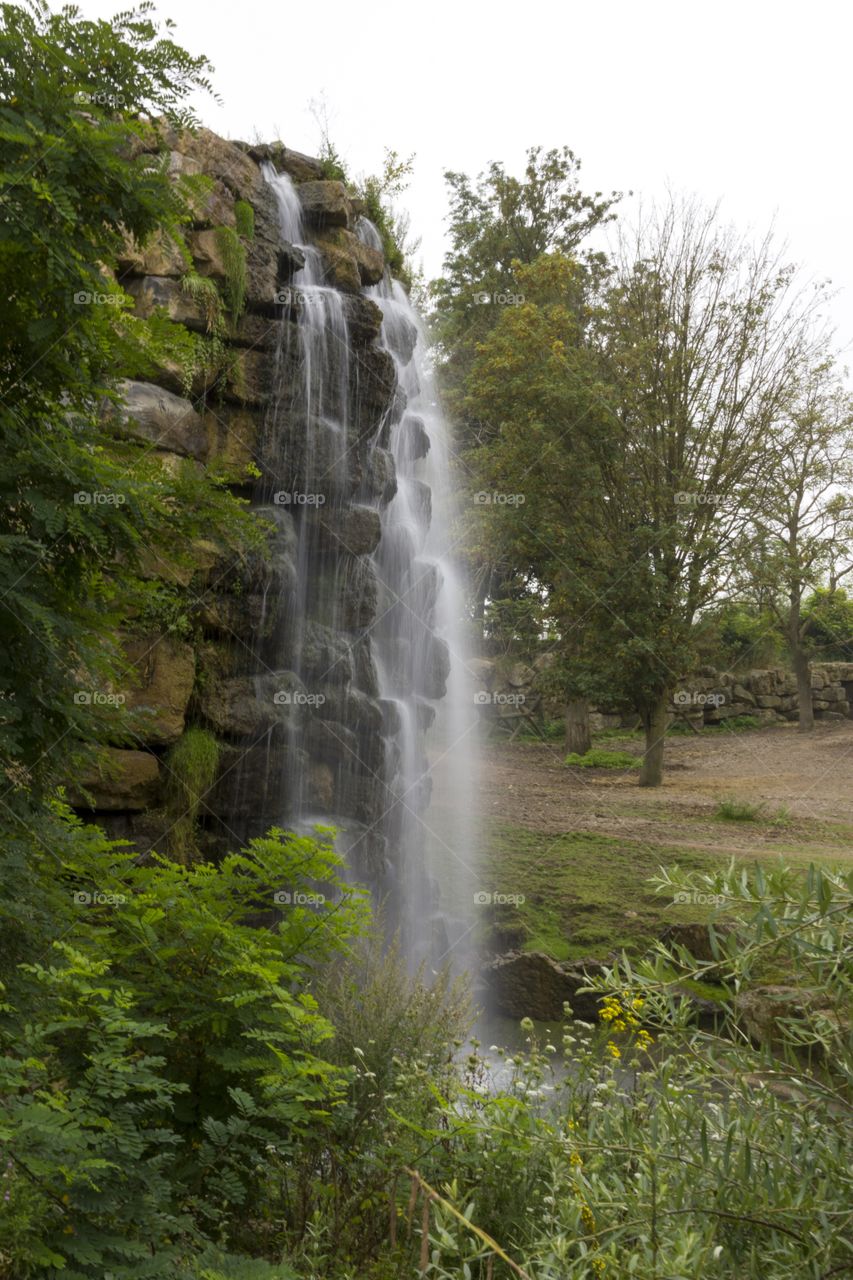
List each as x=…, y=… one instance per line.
x=529, y=984
x=232, y=409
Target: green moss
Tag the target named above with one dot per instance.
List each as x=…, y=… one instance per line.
x=244, y=216
x=191, y=772
x=585, y=895
x=233, y=253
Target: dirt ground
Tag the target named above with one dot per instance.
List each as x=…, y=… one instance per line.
x=801, y=785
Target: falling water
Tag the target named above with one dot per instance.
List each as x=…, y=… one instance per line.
x=396, y=735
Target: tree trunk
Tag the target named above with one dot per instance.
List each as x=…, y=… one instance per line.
x=803, y=673
x=577, y=726
x=655, y=723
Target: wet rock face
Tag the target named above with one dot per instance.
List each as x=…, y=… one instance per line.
x=312, y=459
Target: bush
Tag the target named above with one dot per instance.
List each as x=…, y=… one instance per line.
x=733, y=810
x=166, y=1058
x=656, y=1148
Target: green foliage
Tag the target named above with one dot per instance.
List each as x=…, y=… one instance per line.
x=734, y=810
x=646, y=1146
x=499, y=224
x=163, y=1056
x=83, y=168
x=828, y=619
x=205, y=294
x=244, y=217
x=740, y=635
x=598, y=758
x=233, y=253
x=191, y=771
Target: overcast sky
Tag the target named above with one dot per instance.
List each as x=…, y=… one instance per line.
x=745, y=102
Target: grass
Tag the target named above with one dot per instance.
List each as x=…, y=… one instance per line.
x=733, y=810
x=585, y=895
x=599, y=758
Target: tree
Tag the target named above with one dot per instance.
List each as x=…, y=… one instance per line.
x=83, y=168
x=638, y=428
x=804, y=522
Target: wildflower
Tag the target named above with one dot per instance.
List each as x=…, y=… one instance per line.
x=613, y=1049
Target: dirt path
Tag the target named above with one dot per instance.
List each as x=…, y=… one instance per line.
x=803, y=785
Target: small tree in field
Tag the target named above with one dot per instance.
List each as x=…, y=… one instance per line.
x=805, y=519
x=638, y=429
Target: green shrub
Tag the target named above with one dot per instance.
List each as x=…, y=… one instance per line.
x=233, y=253
x=598, y=758
x=244, y=217
x=734, y=810
x=190, y=773
x=164, y=1061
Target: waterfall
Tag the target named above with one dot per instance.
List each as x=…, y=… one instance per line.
x=375, y=625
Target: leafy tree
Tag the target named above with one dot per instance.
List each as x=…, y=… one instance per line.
x=638, y=433
x=804, y=521
x=82, y=169
x=828, y=615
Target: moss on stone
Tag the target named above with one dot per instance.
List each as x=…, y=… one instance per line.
x=191, y=772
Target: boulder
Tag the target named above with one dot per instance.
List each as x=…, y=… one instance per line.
x=325, y=204
x=380, y=476
x=249, y=377
x=372, y=392
x=121, y=780
x=233, y=435
x=741, y=694
x=163, y=294
x=159, y=417
x=158, y=256
x=414, y=439
x=529, y=984
x=249, y=706
x=355, y=529
x=325, y=655
x=218, y=158
x=301, y=168
x=330, y=742
x=338, y=262
x=431, y=677
x=256, y=784
x=159, y=683
x=363, y=318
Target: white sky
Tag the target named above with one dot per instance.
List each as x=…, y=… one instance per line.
x=740, y=101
